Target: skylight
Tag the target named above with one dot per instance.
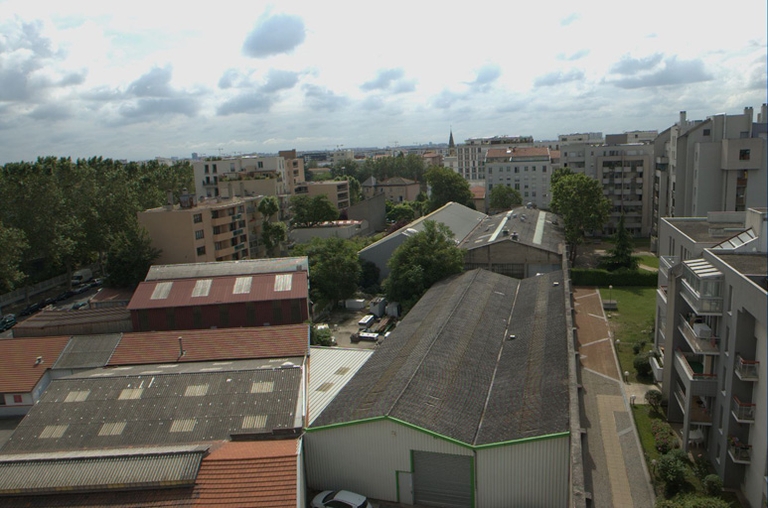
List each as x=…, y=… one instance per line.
x=202, y=288
x=161, y=291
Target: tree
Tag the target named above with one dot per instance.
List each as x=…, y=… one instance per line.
x=504, y=198
x=621, y=254
x=334, y=270
x=401, y=212
x=272, y=233
x=13, y=244
x=423, y=259
x=671, y=470
x=309, y=211
x=579, y=200
x=130, y=257
x=447, y=185
x=653, y=398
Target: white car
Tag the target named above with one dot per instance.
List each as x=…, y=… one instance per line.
x=340, y=499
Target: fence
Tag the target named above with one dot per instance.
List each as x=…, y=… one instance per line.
x=21, y=294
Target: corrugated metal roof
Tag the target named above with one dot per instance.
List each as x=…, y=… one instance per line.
x=19, y=368
x=162, y=415
x=181, y=293
x=26, y=476
x=329, y=370
x=203, y=345
x=533, y=227
x=87, y=351
x=227, y=268
x=449, y=367
x=703, y=269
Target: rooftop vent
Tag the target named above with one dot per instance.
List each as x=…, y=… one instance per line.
x=515, y=236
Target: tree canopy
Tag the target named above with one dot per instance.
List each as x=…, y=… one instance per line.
x=334, y=269
x=620, y=256
x=447, y=185
x=272, y=231
x=504, y=198
x=309, y=211
x=129, y=257
x=579, y=200
x=423, y=259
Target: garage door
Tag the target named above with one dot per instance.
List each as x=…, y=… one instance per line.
x=440, y=479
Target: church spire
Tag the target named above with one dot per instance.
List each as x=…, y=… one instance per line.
x=451, y=144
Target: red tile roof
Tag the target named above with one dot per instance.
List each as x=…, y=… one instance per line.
x=256, y=473
x=18, y=370
x=221, y=291
x=478, y=191
x=278, y=341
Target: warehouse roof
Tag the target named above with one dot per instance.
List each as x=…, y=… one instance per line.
x=267, y=287
x=209, y=345
x=227, y=268
x=451, y=368
x=154, y=405
x=24, y=361
x=330, y=368
x=87, y=351
x=527, y=226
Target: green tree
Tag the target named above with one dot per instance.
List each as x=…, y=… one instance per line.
x=504, y=198
x=447, y=185
x=334, y=270
x=620, y=256
x=654, y=398
x=671, y=470
x=130, y=256
x=579, y=200
x=272, y=232
x=13, y=244
x=423, y=259
x=401, y=212
x=309, y=211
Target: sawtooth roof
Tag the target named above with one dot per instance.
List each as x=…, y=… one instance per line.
x=451, y=368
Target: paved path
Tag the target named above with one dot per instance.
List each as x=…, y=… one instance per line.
x=614, y=467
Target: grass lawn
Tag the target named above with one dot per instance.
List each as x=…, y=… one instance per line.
x=632, y=323
x=651, y=261
x=644, y=415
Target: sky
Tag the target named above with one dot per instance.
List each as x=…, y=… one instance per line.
x=135, y=80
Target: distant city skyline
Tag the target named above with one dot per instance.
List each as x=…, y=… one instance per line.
x=139, y=80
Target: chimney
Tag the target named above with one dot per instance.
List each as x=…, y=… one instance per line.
x=682, y=119
x=182, y=351
x=762, y=117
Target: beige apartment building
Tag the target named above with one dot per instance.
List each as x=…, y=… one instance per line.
x=216, y=229
x=208, y=173
x=336, y=190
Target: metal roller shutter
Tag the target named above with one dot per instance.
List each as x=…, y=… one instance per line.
x=440, y=479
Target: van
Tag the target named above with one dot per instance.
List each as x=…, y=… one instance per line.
x=366, y=321
x=81, y=277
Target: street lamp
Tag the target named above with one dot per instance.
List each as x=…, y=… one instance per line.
x=610, y=292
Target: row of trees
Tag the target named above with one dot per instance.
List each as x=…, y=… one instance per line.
x=56, y=213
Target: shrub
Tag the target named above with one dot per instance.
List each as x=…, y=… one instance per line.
x=653, y=398
x=713, y=485
x=665, y=443
x=642, y=365
x=666, y=503
x=604, y=278
x=705, y=502
x=701, y=467
x=671, y=471
x=638, y=346
x=657, y=426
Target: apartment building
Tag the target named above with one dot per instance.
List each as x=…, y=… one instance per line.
x=294, y=169
x=710, y=333
x=717, y=164
x=526, y=169
x=217, y=229
x=336, y=190
x=208, y=173
x=471, y=154
x=396, y=189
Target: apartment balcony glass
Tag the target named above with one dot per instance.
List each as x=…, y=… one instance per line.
x=666, y=263
x=742, y=411
x=747, y=370
x=698, y=336
x=740, y=453
x=701, y=287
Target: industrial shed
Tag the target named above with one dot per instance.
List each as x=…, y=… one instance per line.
x=466, y=404
x=520, y=243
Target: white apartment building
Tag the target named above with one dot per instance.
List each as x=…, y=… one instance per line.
x=471, y=154
x=711, y=322
x=209, y=172
x=528, y=170
x=717, y=164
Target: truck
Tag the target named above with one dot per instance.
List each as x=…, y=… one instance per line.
x=81, y=277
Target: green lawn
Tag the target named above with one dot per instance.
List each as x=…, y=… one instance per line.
x=644, y=415
x=632, y=323
x=651, y=261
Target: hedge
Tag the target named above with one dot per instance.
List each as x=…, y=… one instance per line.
x=604, y=278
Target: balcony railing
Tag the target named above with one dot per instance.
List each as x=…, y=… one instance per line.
x=666, y=263
x=694, y=366
x=699, y=337
x=237, y=232
x=702, y=305
x=740, y=453
x=742, y=411
x=747, y=370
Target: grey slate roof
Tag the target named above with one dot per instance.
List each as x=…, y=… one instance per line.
x=523, y=221
x=126, y=468
x=87, y=351
x=103, y=409
x=227, y=268
x=449, y=368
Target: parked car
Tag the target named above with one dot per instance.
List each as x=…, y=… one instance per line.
x=7, y=322
x=79, y=305
x=30, y=309
x=340, y=499
x=65, y=296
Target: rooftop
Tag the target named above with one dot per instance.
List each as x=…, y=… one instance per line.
x=450, y=367
x=329, y=370
x=748, y=265
x=224, y=268
x=701, y=230
x=24, y=361
x=531, y=227
x=518, y=152
x=87, y=351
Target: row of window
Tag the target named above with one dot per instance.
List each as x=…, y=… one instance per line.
x=516, y=169
x=17, y=399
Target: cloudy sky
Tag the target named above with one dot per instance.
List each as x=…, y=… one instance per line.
x=142, y=79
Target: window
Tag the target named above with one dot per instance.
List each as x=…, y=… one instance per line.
x=517, y=186
x=526, y=193
x=526, y=168
x=2, y=399
x=206, y=168
x=533, y=168
x=744, y=154
x=543, y=169
x=231, y=167
x=260, y=165
x=199, y=234
x=201, y=251
x=517, y=169
x=17, y=399
x=197, y=218
x=214, y=169
x=706, y=132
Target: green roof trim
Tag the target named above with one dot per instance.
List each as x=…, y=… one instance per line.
x=440, y=436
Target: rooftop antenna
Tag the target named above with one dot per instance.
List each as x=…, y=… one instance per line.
x=182, y=351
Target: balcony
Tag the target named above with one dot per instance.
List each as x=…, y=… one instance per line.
x=702, y=305
x=239, y=246
x=747, y=370
x=666, y=263
x=699, y=337
x=661, y=292
x=697, y=413
x=237, y=232
x=740, y=453
x=690, y=368
x=742, y=411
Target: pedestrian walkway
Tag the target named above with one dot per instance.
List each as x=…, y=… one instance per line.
x=614, y=467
